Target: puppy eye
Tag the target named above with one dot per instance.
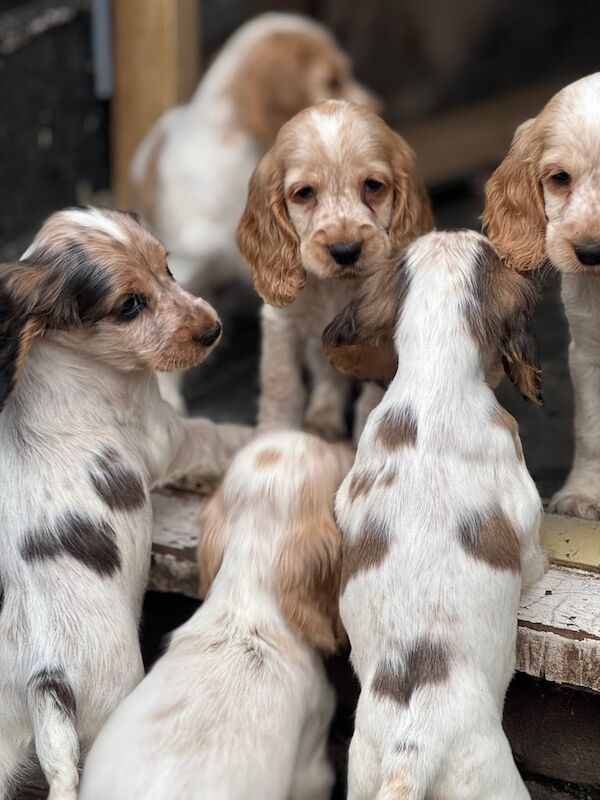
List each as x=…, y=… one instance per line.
x=372, y=186
x=131, y=307
x=305, y=193
x=561, y=178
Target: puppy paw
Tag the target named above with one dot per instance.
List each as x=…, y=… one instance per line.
x=204, y=484
x=575, y=505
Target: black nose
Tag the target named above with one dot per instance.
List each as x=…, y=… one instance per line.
x=345, y=252
x=210, y=335
x=588, y=254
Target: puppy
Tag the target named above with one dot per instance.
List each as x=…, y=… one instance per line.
x=440, y=523
x=87, y=315
x=542, y=206
x=190, y=173
x=332, y=199
x=239, y=706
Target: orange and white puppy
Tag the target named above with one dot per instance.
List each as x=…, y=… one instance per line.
x=190, y=173
x=543, y=206
x=331, y=200
x=88, y=314
x=440, y=522
x=239, y=706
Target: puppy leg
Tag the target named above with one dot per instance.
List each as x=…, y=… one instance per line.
x=52, y=711
x=580, y=496
x=326, y=413
x=370, y=397
x=364, y=769
x=313, y=775
x=282, y=395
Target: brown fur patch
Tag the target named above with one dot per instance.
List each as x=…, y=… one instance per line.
x=502, y=419
x=388, y=478
x=423, y=663
x=266, y=458
x=398, y=428
x=116, y=484
x=212, y=544
x=360, y=483
x=490, y=537
x=365, y=551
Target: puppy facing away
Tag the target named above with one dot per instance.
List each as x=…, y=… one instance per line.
x=542, y=205
x=88, y=314
x=239, y=707
x=440, y=522
x=190, y=173
x=333, y=198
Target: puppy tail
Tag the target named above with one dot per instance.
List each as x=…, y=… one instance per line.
x=52, y=711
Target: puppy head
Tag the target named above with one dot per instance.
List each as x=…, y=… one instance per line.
x=334, y=196
x=543, y=201
x=293, y=65
x=97, y=281
x=495, y=302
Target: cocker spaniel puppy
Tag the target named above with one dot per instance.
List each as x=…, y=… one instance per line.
x=87, y=315
x=333, y=198
x=543, y=206
x=190, y=173
x=239, y=706
x=439, y=519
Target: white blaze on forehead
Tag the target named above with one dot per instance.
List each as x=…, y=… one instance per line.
x=97, y=220
x=329, y=128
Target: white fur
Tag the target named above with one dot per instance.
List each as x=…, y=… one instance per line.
x=447, y=741
x=70, y=407
x=239, y=707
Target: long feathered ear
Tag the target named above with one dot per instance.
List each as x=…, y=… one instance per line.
x=212, y=541
x=360, y=340
x=501, y=317
x=308, y=580
x=412, y=214
x=267, y=238
x=514, y=217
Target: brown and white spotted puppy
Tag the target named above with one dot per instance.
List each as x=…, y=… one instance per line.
x=88, y=314
x=440, y=522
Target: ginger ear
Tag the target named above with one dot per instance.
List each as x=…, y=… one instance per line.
x=308, y=581
x=514, y=217
x=360, y=340
x=520, y=359
x=412, y=214
x=267, y=238
x=212, y=541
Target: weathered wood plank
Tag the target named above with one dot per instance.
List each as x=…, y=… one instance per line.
x=559, y=620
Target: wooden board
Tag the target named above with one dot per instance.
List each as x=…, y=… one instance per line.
x=559, y=621
x=458, y=143
x=156, y=66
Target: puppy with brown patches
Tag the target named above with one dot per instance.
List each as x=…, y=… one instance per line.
x=330, y=201
x=191, y=171
x=239, y=706
x=440, y=521
x=88, y=314
x=542, y=206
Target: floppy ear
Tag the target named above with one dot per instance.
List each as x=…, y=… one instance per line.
x=267, y=238
x=360, y=340
x=27, y=306
x=308, y=581
x=412, y=214
x=520, y=359
x=514, y=217
x=212, y=542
